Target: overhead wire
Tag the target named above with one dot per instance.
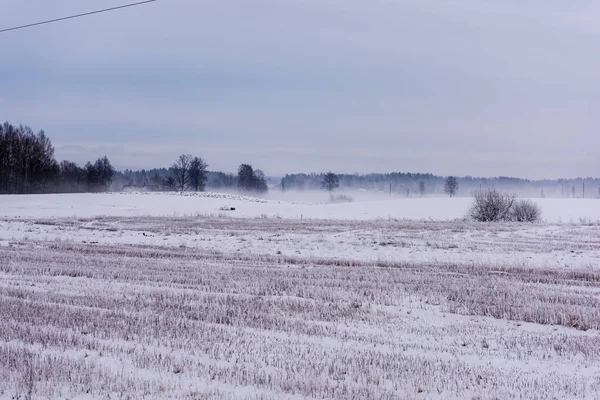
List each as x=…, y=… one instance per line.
x=76, y=16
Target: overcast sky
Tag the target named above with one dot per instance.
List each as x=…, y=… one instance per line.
x=451, y=87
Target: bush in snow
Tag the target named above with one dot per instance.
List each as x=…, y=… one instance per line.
x=491, y=206
x=525, y=211
x=340, y=198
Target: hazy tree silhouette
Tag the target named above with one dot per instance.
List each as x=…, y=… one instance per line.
x=260, y=182
x=451, y=186
x=330, y=182
x=246, y=177
x=72, y=177
x=250, y=180
x=105, y=172
x=422, y=188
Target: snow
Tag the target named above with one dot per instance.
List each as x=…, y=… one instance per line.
x=159, y=295
x=523, y=245
x=173, y=204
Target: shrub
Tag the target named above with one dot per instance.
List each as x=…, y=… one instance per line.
x=525, y=211
x=340, y=198
x=491, y=206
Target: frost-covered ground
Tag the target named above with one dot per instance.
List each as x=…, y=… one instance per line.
x=564, y=246
x=212, y=307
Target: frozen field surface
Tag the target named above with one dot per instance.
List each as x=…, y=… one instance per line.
x=201, y=307
x=174, y=204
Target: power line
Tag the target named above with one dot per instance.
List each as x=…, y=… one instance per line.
x=76, y=16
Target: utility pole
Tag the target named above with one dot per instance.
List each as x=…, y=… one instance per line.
x=390, y=189
x=283, y=184
x=583, y=196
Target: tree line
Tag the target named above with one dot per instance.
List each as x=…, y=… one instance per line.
x=157, y=179
x=417, y=184
x=28, y=165
x=331, y=182
x=189, y=173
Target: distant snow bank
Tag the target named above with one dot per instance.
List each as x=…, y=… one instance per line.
x=208, y=195
x=87, y=205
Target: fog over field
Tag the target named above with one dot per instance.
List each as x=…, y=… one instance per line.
x=294, y=205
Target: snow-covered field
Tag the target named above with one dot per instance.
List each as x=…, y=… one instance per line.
x=167, y=296
x=287, y=205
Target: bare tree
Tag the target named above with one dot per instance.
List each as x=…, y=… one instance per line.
x=451, y=186
x=168, y=184
x=180, y=172
x=491, y=206
x=330, y=182
x=198, y=174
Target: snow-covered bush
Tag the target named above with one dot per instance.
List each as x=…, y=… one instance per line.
x=525, y=211
x=491, y=206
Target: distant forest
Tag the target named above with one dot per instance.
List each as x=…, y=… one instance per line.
x=416, y=184
x=28, y=165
